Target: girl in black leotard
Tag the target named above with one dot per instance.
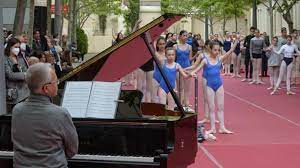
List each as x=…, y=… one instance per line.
x=288, y=50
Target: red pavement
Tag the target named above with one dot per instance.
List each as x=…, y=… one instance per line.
x=267, y=129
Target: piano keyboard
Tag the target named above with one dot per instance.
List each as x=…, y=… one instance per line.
x=107, y=158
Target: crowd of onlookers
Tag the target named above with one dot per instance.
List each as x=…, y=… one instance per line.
x=19, y=55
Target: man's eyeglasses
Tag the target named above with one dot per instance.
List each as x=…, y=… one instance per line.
x=49, y=83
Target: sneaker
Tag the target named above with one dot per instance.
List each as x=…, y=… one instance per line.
x=188, y=109
x=200, y=132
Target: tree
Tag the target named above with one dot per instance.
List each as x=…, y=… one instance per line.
x=131, y=15
x=215, y=10
x=19, y=17
x=48, y=17
x=70, y=24
x=57, y=19
x=88, y=7
x=270, y=7
x=284, y=7
x=31, y=22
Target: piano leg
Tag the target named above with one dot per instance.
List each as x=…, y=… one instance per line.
x=6, y=163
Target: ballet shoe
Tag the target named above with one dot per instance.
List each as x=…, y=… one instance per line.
x=273, y=92
x=203, y=121
x=225, y=131
x=211, y=131
x=290, y=93
x=269, y=88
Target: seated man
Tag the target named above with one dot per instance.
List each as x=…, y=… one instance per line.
x=75, y=52
x=43, y=134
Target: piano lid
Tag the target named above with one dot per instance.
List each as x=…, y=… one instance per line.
x=123, y=57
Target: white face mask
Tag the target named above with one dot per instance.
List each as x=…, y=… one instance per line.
x=16, y=51
x=23, y=46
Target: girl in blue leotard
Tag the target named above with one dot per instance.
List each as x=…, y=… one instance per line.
x=170, y=68
x=184, y=55
x=212, y=66
x=160, y=54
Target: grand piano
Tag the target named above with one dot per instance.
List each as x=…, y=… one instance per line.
x=143, y=135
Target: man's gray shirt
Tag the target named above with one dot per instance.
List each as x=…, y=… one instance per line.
x=256, y=46
x=43, y=134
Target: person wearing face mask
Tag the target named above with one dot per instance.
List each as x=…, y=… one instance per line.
x=56, y=42
x=15, y=72
x=24, y=47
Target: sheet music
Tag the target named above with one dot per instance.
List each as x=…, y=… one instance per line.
x=76, y=98
x=103, y=98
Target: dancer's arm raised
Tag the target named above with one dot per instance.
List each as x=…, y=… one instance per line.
x=228, y=53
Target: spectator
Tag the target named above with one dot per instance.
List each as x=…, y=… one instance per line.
x=33, y=60
x=282, y=38
x=15, y=70
x=24, y=47
x=40, y=55
x=190, y=39
x=119, y=38
x=39, y=42
x=64, y=42
x=172, y=41
x=56, y=42
x=75, y=52
x=66, y=62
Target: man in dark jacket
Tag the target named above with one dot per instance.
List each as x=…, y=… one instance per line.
x=248, y=61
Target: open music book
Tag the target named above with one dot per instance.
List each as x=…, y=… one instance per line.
x=91, y=99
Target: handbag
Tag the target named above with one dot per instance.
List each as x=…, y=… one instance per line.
x=11, y=94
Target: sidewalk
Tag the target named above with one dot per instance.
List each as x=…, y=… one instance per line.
x=86, y=57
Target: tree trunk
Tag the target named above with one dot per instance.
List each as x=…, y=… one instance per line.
x=236, y=22
x=48, y=31
x=288, y=18
x=74, y=15
x=31, y=22
x=270, y=11
x=102, y=24
x=211, y=25
x=2, y=71
x=224, y=25
x=57, y=19
x=61, y=24
x=70, y=24
x=19, y=17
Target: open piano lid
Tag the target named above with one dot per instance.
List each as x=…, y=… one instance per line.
x=126, y=56
x=123, y=57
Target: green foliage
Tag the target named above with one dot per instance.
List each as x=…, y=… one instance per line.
x=212, y=8
x=98, y=7
x=284, y=7
x=82, y=41
x=131, y=15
